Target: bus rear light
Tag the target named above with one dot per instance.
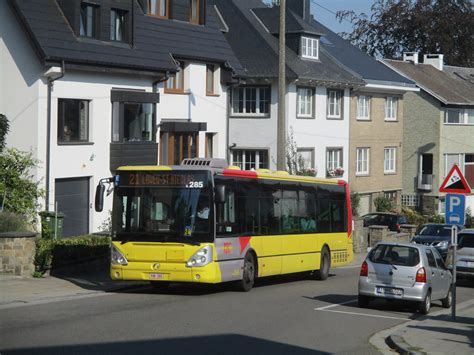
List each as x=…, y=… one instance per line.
x=364, y=269
x=200, y=258
x=116, y=256
x=421, y=275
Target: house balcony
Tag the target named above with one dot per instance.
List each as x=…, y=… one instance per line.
x=425, y=182
x=133, y=153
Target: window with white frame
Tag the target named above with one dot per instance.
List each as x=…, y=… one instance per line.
x=305, y=102
x=251, y=101
x=391, y=108
x=250, y=159
x=306, y=165
x=334, y=103
x=334, y=162
x=390, y=159
x=459, y=116
x=362, y=161
x=363, y=107
x=309, y=47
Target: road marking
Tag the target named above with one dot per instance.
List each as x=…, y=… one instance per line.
x=364, y=314
x=334, y=305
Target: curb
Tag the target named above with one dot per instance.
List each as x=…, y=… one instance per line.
x=398, y=344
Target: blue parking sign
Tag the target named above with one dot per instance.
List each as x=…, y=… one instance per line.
x=455, y=208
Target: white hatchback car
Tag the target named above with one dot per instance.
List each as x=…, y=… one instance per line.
x=408, y=272
x=465, y=252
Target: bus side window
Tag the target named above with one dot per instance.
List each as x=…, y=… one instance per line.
x=324, y=217
x=337, y=216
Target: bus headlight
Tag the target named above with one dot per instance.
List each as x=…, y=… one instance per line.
x=200, y=258
x=116, y=257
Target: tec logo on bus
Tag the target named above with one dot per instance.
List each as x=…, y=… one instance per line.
x=227, y=248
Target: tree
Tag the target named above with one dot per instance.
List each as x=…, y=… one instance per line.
x=19, y=193
x=425, y=26
x=4, y=128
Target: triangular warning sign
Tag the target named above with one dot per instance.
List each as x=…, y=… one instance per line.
x=455, y=182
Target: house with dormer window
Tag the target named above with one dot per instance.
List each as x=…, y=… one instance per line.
x=317, y=92
x=91, y=85
x=438, y=130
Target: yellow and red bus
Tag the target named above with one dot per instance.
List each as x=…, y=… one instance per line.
x=205, y=222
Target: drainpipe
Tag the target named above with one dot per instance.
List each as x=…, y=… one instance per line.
x=51, y=79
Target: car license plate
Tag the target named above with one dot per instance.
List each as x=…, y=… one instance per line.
x=156, y=276
x=389, y=291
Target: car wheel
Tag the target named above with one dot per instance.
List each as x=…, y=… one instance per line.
x=363, y=301
x=248, y=277
x=324, y=266
x=446, y=302
x=425, y=305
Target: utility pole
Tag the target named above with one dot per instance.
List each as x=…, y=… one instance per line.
x=281, y=125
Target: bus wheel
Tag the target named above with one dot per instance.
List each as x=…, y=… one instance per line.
x=323, y=272
x=248, y=277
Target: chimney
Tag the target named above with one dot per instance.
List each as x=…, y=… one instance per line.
x=410, y=57
x=435, y=60
x=301, y=8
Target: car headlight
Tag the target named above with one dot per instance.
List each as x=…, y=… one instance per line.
x=116, y=256
x=200, y=258
x=443, y=244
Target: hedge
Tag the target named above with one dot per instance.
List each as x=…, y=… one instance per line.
x=68, y=252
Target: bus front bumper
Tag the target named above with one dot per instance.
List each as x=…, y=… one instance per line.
x=171, y=272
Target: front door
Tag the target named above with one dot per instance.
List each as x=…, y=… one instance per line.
x=176, y=146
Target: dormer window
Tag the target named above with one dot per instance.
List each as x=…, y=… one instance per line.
x=118, y=25
x=158, y=8
x=88, y=20
x=194, y=12
x=309, y=48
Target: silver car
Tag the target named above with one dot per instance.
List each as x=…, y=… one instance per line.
x=465, y=252
x=403, y=271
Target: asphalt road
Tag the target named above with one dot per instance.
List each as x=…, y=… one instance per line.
x=284, y=315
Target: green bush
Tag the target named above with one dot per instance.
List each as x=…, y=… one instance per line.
x=414, y=217
x=355, y=203
x=383, y=204
x=12, y=222
x=436, y=218
x=52, y=253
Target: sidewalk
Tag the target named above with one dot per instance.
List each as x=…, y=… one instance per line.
x=17, y=291
x=435, y=333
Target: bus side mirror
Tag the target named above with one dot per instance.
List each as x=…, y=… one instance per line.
x=220, y=194
x=99, y=197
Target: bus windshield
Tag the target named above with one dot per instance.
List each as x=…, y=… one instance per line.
x=163, y=214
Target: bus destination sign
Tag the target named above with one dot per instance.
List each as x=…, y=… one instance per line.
x=163, y=179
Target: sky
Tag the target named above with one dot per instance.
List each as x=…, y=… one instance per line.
x=324, y=12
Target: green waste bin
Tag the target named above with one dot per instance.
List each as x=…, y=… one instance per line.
x=51, y=224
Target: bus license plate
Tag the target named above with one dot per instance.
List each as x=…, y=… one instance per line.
x=156, y=276
x=389, y=291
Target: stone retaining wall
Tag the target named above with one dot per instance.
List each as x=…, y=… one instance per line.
x=17, y=253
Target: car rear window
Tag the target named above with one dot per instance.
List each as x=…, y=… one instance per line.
x=395, y=255
x=466, y=240
x=437, y=231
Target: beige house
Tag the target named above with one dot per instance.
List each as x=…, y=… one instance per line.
x=376, y=136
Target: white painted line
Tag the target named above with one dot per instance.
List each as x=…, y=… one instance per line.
x=334, y=305
x=366, y=314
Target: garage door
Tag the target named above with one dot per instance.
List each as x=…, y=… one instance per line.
x=72, y=197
